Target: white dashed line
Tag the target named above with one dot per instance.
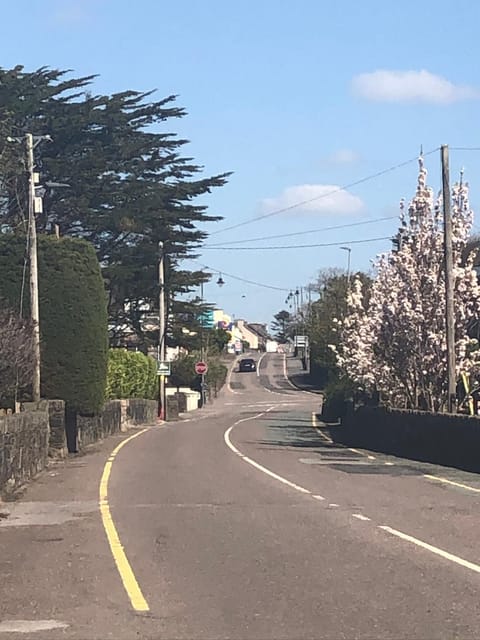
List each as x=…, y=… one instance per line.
x=317, y=497
x=360, y=516
x=429, y=547
x=333, y=504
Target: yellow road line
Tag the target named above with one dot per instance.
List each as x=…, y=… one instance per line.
x=124, y=569
x=455, y=484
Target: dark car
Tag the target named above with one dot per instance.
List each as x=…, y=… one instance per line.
x=247, y=364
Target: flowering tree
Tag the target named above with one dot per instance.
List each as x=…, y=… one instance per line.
x=396, y=343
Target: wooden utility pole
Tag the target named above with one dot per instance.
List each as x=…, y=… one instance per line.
x=449, y=282
x=161, y=331
x=32, y=253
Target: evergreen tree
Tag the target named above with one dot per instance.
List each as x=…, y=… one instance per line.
x=129, y=186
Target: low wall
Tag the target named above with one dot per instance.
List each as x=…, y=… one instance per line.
x=117, y=415
x=24, y=444
x=188, y=399
x=445, y=439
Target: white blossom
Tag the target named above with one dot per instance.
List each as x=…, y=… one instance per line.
x=397, y=343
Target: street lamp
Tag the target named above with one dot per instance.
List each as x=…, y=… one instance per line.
x=348, y=264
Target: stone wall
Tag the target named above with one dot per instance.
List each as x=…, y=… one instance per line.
x=43, y=429
x=439, y=438
x=24, y=443
x=117, y=415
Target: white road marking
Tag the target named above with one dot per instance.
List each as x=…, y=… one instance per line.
x=30, y=626
x=288, y=379
x=429, y=547
x=389, y=464
x=229, y=379
x=360, y=516
x=232, y=447
x=333, y=504
x=318, y=430
x=317, y=497
x=330, y=461
x=258, y=364
x=453, y=483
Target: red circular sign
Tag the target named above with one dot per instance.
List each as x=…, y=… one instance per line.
x=201, y=367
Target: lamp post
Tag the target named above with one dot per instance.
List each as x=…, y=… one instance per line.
x=348, y=264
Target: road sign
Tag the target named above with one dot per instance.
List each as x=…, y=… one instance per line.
x=201, y=368
x=163, y=368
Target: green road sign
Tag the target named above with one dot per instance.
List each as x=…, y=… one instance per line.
x=163, y=368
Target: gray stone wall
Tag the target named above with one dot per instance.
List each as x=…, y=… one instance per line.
x=117, y=415
x=58, y=441
x=28, y=438
x=24, y=442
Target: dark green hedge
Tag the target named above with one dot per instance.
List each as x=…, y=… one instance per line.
x=73, y=316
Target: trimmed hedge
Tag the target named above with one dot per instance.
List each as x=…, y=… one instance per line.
x=73, y=316
x=131, y=374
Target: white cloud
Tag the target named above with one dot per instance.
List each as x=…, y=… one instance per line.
x=323, y=199
x=410, y=86
x=343, y=156
x=72, y=12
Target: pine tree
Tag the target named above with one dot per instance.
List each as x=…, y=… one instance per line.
x=129, y=187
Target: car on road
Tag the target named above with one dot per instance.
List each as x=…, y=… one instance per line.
x=247, y=364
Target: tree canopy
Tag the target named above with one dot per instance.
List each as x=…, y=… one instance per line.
x=117, y=179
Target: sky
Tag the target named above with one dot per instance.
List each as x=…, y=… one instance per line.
x=320, y=108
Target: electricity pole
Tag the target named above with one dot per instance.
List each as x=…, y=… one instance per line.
x=161, y=330
x=449, y=282
x=348, y=264
x=202, y=348
x=32, y=250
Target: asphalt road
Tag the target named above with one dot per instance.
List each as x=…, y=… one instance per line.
x=243, y=521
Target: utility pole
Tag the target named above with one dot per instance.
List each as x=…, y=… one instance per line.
x=449, y=283
x=202, y=347
x=161, y=330
x=348, y=264
x=32, y=251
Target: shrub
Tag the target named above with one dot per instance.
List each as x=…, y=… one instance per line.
x=73, y=316
x=336, y=395
x=216, y=375
x=131, y=374
x=183, y=373
x=16, y=355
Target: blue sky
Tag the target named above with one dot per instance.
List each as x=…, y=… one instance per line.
x=296, y=98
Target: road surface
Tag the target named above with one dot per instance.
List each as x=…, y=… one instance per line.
x=243, y=521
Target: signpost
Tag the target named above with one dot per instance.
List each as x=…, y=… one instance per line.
x=201, y=369
x=163, y=368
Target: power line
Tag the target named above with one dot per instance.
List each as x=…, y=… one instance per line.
x=299, y=246
x=301, y=233
x=257, y=284
x=324, y=195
